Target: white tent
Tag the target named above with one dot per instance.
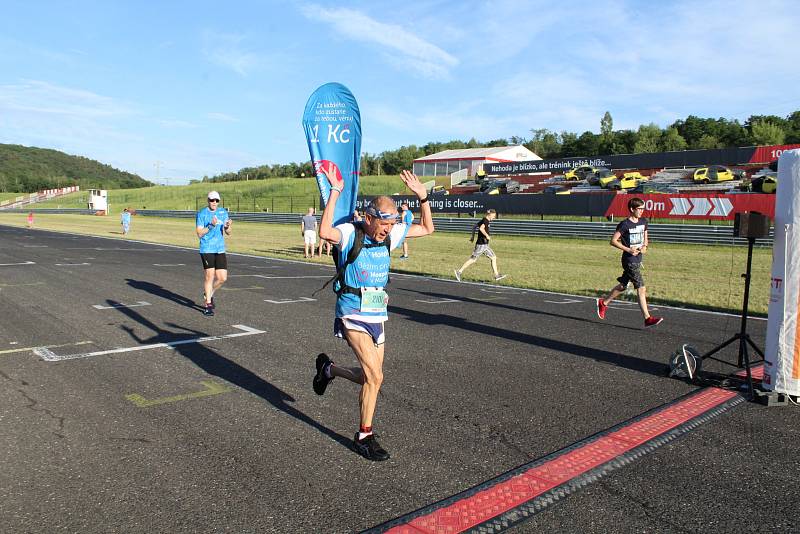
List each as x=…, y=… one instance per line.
x=447, y=162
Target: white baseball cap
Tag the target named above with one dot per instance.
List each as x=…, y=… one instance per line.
x=213, y=195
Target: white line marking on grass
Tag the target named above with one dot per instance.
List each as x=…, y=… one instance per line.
x=120, y=305
x=21, y=263
x=49, y=356
x=437, y=301
x=288, y=301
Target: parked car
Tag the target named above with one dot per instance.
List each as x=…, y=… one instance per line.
x=579, y=173
x=500, y=186
x=439, y=190
x=713, y=173
x=556, y=190
x=601, y=177
x=648, y=188
x=629, y=180
x=764, y=183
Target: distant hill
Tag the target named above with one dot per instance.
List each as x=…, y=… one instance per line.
x=28, y=169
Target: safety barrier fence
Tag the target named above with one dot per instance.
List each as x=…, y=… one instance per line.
x=701, y=234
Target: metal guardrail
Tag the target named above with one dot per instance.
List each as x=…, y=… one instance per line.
x=701, y=234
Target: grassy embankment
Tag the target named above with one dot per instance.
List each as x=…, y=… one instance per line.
x=684, y=275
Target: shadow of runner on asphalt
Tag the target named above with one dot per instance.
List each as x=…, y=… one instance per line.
x=217, y=365
x=614, y=358
x=159, y=291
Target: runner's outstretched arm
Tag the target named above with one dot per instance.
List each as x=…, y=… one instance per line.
x=326, y=229
x=426, y=220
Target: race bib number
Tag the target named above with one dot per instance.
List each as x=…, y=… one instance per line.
x=373, y=300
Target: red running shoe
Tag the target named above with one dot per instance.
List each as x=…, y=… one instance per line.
x=652, y=321
x=601, y=309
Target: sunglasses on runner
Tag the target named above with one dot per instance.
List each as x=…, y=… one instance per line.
x=213, y=200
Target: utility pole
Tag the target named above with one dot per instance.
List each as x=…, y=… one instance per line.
x=157, y=165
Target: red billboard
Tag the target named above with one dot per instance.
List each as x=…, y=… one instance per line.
x=695, y=205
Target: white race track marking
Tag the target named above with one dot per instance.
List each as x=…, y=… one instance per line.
x=565, y=301
x=277, y=277
x=120, y=305
x=10, y=351
x=22, y=263
x=49, y=356
x=169, y=264
x=71, y=264
x=34, y=246
x=288, y=301
x=437, y=301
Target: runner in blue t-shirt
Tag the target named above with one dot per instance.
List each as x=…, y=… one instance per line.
x=632, y=239
x=213, y=224
x=126, y=221
x=361, y=304
x=408, y=218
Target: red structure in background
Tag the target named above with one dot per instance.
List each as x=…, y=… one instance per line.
x=695, y=205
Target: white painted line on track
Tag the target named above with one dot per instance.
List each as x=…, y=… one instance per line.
x=49, y=356
x=21, y=263
x=565, y=301
x=426, y=278
x=268, y=277
x=25, y=349
x=120, y=305
x=169, y=264
x=71, y=264
x=437, y=301
x=289, y=301
x=34, y=246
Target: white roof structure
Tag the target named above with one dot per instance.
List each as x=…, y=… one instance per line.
x=460, y=163
x=497, y=153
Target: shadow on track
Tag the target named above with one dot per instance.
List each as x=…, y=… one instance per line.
x=511, y=307
x=159, y=291
x=217, y=365
x=614, y=358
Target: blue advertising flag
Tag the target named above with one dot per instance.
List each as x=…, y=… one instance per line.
x=332, y=124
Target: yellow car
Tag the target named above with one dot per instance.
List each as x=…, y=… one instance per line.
x=713, y=173
x=579, y=173
x=629, y=180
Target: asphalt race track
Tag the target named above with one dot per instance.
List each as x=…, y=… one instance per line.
x=124, y=409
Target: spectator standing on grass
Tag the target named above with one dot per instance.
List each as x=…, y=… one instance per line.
x=212, y=225
x=327, y=246
x=482, y=247
x=308, y=228
x=406, y=217
x=125, y=220
x=30, y=219
x=631, y=238
x=361, y=299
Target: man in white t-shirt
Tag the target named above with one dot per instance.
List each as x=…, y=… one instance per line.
x=361, y=304
x=308, y=226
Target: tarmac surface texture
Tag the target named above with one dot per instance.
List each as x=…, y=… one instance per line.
x=115, y=418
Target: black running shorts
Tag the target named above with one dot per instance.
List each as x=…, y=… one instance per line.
x=214, y=261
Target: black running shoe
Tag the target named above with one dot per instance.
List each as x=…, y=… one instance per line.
x=320, y=379
x=208, y=310
x=369, y=448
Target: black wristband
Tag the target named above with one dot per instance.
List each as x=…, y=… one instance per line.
x=423, y=200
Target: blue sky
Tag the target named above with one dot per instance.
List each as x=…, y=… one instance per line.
x=182, y=89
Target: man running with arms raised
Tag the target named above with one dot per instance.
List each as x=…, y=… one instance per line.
x=361, y=300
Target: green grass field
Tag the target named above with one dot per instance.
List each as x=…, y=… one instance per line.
x=682, y=275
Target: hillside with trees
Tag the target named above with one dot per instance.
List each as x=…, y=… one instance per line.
x=683, y=134
x=29, y=169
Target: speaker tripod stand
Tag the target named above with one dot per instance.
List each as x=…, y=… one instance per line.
x=742, y=336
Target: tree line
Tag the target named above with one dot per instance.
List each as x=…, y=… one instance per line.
x=683, y=134
x=29, y=169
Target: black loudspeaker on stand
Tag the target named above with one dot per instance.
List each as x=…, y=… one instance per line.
x=750, y=225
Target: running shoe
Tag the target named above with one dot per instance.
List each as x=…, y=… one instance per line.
x=208, y=310
x=403, y=257
x=652, y=321
x=458, y=274
x=499, y=277
x=601, y=308
x=369, y=448
x=205, y=301
x=321, y=380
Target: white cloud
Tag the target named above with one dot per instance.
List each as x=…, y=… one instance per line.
x=221, y=117
x=401, y=47
x=227, y=50
x=40, y=97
